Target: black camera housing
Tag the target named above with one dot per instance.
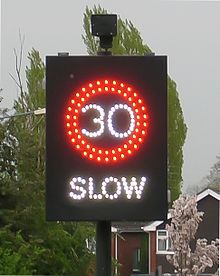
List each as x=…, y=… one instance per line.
x=104, y=24
x=105, y=27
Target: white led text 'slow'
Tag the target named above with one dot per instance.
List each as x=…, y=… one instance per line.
x=112, y=188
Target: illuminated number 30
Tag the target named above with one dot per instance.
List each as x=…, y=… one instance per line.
x=100, y=120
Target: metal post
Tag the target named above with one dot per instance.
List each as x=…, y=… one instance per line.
x=103, y=248
x=103, y=233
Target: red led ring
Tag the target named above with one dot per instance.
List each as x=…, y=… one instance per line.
x=82, y=144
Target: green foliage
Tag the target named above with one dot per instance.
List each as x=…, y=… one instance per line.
x=57, y=252
x=30, y=130
x=7, y=170
x=129, y=42
x=176, y=138
x=7, y=146
x=34, y=98
x=29, y=244
x=16, y=255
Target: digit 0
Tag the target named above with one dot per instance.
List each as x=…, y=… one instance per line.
x=132, y=120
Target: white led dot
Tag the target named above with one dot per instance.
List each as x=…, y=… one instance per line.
x=78, y=191
x=99, y=120
x=106, y=182
x=73, y=186
x=133, y=187
x=110, y=122
x=91, y=189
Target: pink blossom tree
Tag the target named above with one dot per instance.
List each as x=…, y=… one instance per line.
x=185, y=219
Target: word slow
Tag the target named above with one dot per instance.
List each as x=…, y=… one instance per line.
x=111, y=188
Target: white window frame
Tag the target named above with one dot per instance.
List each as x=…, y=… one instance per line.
x=163, y=237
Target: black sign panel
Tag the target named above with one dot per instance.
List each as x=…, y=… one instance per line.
x=106, y=138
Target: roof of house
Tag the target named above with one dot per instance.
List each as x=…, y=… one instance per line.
x=207, y=192
x=128, y=226
x=152, y=226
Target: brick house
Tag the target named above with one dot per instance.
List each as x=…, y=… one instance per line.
x=141, y=247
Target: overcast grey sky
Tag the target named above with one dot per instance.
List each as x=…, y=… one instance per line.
x=186, y=31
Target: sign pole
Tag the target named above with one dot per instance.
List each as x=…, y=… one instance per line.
x=103, y=248
x=103, y=234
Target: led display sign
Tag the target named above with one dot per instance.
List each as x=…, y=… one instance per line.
x=129, y=103
x=106, y=138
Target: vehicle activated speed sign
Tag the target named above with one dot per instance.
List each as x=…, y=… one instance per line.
x=106, y=138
